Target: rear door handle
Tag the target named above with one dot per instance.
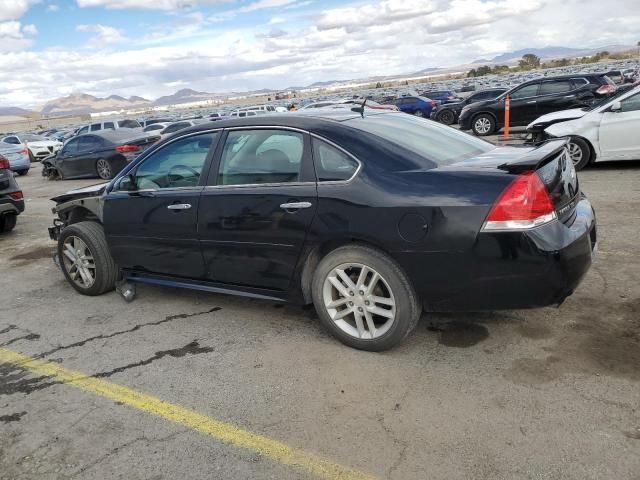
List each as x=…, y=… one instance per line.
x=295, y=205
x=532, y=101
x=179, y=206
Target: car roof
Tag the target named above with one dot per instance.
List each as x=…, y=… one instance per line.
x=117, y=135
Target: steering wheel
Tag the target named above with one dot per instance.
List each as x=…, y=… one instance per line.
x=171, y=174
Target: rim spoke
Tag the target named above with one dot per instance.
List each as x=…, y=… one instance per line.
x=338, y=286
x=361, y=278
x=342, y=313
x=370, y=325
x=381, y=311
x=372, y=283
x=69, y=253
x=383, y=301
x=345, y=279
x=359, y=323
x=337, y=302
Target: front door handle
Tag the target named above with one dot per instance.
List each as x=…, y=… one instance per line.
x=179, y=206
x=295, y=205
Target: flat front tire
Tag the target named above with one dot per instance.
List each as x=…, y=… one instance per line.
x=85, y=259
x=364, y=298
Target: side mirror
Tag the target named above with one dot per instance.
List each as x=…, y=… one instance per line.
x=127, y=183
x=616, y=107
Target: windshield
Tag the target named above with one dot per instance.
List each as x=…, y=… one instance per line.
x=34, y=138
x=438, y=143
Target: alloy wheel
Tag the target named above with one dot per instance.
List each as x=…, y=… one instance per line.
x=482, y=125
x=418, y=113
x=575, y=152
x=104, y=169
x=79, y=262
x=359, y=300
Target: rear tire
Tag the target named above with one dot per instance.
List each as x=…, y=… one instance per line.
x=86, y=242
x=483, y=125
x=23, y=172
x=418, y=113
x=446, y=117
x=580, y=152
x=8, y=222
x=389, y=307
x=104, y=169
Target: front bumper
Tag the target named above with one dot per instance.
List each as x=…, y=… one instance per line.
x=513, y=270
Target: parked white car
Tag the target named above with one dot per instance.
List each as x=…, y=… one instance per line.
x=39, y=147
x=607, y=130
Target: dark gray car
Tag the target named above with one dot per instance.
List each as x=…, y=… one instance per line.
x=11, y=199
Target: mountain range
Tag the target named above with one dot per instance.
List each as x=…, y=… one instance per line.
x=551, y=52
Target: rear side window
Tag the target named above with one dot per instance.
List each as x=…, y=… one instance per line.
x=109, y=125
x=557, y=86
x=12, y=140
x=579, y=82
x=96, y=126
x=254, y=157
x=128, y=124
x=89, y=143
x=332, y=164
x=631, y=104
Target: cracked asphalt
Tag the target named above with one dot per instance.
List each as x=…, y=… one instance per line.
x=544, y=394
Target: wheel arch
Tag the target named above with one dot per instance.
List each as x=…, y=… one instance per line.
x=592, y=150
x=321, y=250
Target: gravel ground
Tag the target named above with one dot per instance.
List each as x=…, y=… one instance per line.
x=545, y=394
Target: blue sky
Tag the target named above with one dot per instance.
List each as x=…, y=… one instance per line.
x=52, y=48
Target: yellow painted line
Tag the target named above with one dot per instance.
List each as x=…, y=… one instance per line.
x=267, y=447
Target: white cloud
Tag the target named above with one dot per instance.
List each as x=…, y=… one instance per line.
x=261, y=4
x=148, y=4
x=105, y=35
x=53, y=8
x=14, y=9
x=13, y=36
x=30, y=29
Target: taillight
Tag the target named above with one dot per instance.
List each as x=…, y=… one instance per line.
x=434, y=104
x=24, y=152
x=525, y=204
x=604, y=89
x=127, y=148
x=4, y=163
x=16, y=195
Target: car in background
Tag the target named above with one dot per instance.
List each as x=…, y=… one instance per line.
x=153, y=127
x=177, y=126
x=38, y=146
x=108, y=125
x=151, y=121
x=11, y=198
x=254, y=110
x=416, y=105
x=101, y=154
x=534, y=98
x=616, y=76
x=351, y=102
x=605, y=131
x=18, y=157
x=373, y=220
x=448, y=113
x=442, y=96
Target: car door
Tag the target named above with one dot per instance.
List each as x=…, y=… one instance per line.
x=556, y=95
x=83, y=161
x=151, y=213
x=618, y=135
x=523, y=105
x=257, y=207
x=65, y=156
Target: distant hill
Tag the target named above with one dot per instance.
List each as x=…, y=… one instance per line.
x=183, y=96
x=15, y=111
x=551, y=52
x=81, y=103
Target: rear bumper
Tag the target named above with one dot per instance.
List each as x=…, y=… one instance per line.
x=10, y=206
x=513, y=270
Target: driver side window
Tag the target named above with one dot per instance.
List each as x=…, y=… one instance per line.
x=179, y=164
x=631, y=104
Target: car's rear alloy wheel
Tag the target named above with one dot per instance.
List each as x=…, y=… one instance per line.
x=359, y=300
x=483, y=125
x=446, y=117
x=104, y=169
x=418, y=113
x=579, y=152
x=79, y=262
x=364, y=298
x=85, y=258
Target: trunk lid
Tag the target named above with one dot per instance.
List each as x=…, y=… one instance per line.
x=549, y=160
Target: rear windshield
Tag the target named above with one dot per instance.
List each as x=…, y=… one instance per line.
x=128, y=124
x=438, y=143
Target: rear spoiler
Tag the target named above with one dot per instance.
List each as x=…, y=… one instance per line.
x=541, y=155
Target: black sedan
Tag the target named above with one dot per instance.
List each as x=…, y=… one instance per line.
x=448, y=113
x=372, y=217
x=101, y=154
x=533, y=99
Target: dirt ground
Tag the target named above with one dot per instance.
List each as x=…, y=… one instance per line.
x=544, y=394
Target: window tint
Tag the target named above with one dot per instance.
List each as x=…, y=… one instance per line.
x=579, y=82
x=631, y=104
x=128, y=124
x=109, y=125
x=71, y=147
x=12, y=140
x=557, y=86
x=96, y=126
x=431, y=140
x=89, y=143
x=527, y=91
x=178, y=164
x=261, y=156
x=332, y=164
